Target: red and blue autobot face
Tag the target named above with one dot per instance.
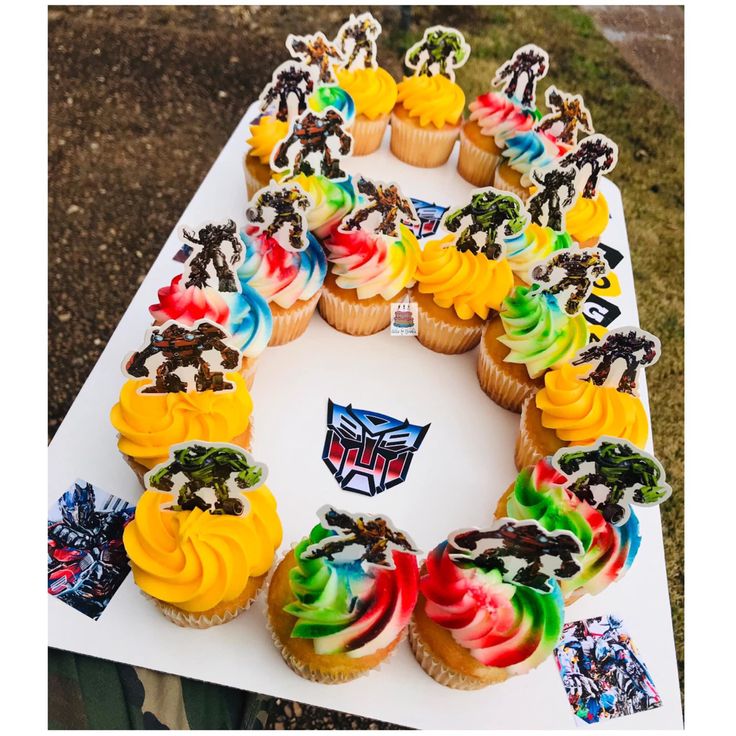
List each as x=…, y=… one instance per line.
x=368, y=452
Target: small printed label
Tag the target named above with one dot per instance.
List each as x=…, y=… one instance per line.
x=404, y=319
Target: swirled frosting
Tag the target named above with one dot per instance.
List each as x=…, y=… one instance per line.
x=264, y=135
x=330, y=95
x=244, y=314
x=150, y=423
x=197, y=560
x=498, y=117
x=373, y=264
x=500, y=624
x=470, y=284
x=587, y=218
x=432, y=100
x=580, y=412
x=539, y=493
x=279, y=275
x=533, y=244
x=347, y=608
x=331, y=201
x=529, y=150
x=539, y=334
x=373, y=90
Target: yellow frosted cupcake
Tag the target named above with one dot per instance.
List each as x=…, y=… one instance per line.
x=587, y=219
x=265, y=133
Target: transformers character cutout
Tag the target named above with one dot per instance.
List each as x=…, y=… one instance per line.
x=529, y=63
x=359, y=538
x=524, y=552
x=597, y=152
x=388, y=202
x=290, y=79
x=317, y=53
x=368, y=452
x=612, y=474
x=545, y=206
x=574, y=271
x=440, y=51
x=569, y=115
x=86, y=558
x=287, y=223
x=356, y=41
x=632, y=346
x=312, y=134
x=207, y=254
x=214, y=476
x=491, y=212
x=175, y=348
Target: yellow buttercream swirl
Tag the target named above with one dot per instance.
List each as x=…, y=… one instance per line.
x=197, y=560
x=373, y=90
x=150, y=423
x=264, y=135
x=471, y=284
x=587, y=218
x=434, y=100
x=580, y=412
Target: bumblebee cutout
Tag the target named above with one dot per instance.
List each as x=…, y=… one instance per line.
x=524, y=552
x=207, y=255
x=632, y=345
x=359, y=538
x=529, y=61
x=209, y=476
x=440, y=51
x=612, y=474
x=176, y=348
x=597, y=152
x=569, y=115
x=317, y=53
x=290, y=79
x=546, y=207
x=385, y=200
x=356, y=41
x=287, y=224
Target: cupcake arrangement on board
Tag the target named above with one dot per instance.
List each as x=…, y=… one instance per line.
x=510, y=275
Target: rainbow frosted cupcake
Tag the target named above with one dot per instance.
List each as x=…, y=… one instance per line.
x=369, y=271
x=532, y=245
x=340, y=601
x=332, y=201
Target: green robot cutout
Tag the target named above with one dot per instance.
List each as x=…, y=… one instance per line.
x=441, y=51
x=493, y=214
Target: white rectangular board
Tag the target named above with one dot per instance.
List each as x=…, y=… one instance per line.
x=463, y=466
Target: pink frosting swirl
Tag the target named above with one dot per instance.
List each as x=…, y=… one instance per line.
x=498, y=117
x=188, y=304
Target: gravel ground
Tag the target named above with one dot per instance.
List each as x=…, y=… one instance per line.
x=141, y=100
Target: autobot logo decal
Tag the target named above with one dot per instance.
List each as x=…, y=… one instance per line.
x=429, y=216
x=368, y=452
x=86, y=558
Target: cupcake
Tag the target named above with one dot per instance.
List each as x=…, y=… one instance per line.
x=265, y=132
x=337, y=97
x=340, y=601
x=203, y=561
x=332, y=200
x=587, y=219
x=369, y=271
x=533, y=335
x=244, y=314
x=456, y=293
x=535, y=243
x=540, y=492
x=476, y=624
x=290, y=281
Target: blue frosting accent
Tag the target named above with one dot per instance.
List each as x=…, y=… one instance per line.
x=631, y=535
x=333, y=96
x=526, y=151
x=250, y=321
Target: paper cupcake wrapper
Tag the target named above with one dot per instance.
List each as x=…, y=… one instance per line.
x=292, y=323
x=248, y=370
x=445, y=338
x=526, y=451
x=354, y=318
x=503, y=388
x=474, y=164
x=424, y=147
x=253, y=182
x=368, y=134
x=500, y=182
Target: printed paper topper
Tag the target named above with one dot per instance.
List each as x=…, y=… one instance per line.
x=290, y=79
x=524, y=552
x=568, y=115
x=530, y=62
x=572, y=272
x=207, y=260
x=441, y=51
x=598, y=152
x=309, y=138
x=356, y=41
x=178, y=351
x=612, y=474
x=494, y=215
x=287, y=223
x=384, y=200
x=632, y=345
x=209, y=476
x=359, y=538
x=316, y=53
x=545, y=206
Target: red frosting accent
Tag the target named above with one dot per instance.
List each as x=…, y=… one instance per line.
x=359, y=246
x=499, y=105
x=282, y=264
x=188, y=304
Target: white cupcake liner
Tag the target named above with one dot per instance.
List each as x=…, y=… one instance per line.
x=445, y=338
x=526, y=451
x=474, y=164
x=351, y=318
x=424, y=147
x=293, y=322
